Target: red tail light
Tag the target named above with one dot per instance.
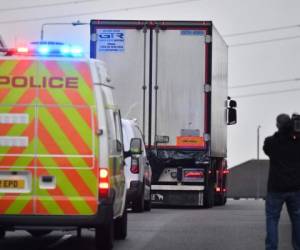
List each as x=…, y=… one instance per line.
x=135, y=166
x=218, y=189
x=226, y=171
x=103, y=182
x=193, y=174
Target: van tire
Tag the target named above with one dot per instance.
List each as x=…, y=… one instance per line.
x=148, y=203
x=2, y=234
x=120, y=226
x=104, y=236
x=138, y=205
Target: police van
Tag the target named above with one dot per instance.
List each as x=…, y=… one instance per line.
x=61, y=148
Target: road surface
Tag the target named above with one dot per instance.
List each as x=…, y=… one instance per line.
x=240, y=225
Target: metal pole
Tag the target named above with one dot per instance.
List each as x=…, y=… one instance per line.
x=258, y=165
x=258, y=140
x=150, y=89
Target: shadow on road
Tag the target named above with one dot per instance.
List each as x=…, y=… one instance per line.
x=55, y=241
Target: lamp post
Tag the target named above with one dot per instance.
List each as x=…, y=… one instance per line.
x=258, y=165
x=77, y=23
x=258, y=139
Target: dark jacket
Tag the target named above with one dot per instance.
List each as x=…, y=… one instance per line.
x=284, y=152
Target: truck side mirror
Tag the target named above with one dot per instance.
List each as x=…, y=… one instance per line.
x=232, y=104
x=232, y=117
x=231, y=112
x=135, y=146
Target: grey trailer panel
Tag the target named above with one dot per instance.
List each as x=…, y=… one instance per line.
x=219, y=96
x=180, y=77
x=125, y=53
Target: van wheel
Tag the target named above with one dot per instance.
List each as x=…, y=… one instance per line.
x=138, y=205
x=104, y=236
x=148, y=203
x=2, y=233
x=120, y=226
x=39, y=233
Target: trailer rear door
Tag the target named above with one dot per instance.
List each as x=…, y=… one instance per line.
x=159, y=70
x=179, y=79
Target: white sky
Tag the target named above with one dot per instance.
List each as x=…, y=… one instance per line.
x=21, y=21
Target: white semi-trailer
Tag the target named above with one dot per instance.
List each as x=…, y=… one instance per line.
x=172, y=77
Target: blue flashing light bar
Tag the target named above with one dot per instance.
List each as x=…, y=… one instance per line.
x=76, y=51
x=51, y=49
x=65, y=50
x=43, y=50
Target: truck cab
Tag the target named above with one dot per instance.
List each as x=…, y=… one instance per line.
x=61, y=146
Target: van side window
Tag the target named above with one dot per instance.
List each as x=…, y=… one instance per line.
x=138, y=134
x=114, y=132
x=119, y=136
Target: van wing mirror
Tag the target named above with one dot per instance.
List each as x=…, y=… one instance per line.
x=135, y=146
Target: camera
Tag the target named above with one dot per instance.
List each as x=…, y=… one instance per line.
x=296, y=123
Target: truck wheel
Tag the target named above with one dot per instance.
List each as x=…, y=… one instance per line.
x=219, y=199
x=138, y=205
x=2, y=233
x=120, y=226
x=224, y=200
x=209, y=197
x=39, y=233
x=104, y=236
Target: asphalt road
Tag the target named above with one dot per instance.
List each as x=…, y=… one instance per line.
x=239, y=225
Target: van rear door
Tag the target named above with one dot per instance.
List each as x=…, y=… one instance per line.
x=66, y=176
x=17, y=137
x=58, y=155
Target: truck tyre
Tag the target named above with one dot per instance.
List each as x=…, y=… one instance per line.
x=208, y=200
x=39, y=233
x=225, y=200
x=138, y=205
x=219, y=199
x=120, y=226
x=104, y=236
x=2, y=233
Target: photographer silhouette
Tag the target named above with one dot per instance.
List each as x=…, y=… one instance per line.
x=283, y=149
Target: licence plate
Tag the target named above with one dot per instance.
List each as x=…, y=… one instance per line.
x=12, y=184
